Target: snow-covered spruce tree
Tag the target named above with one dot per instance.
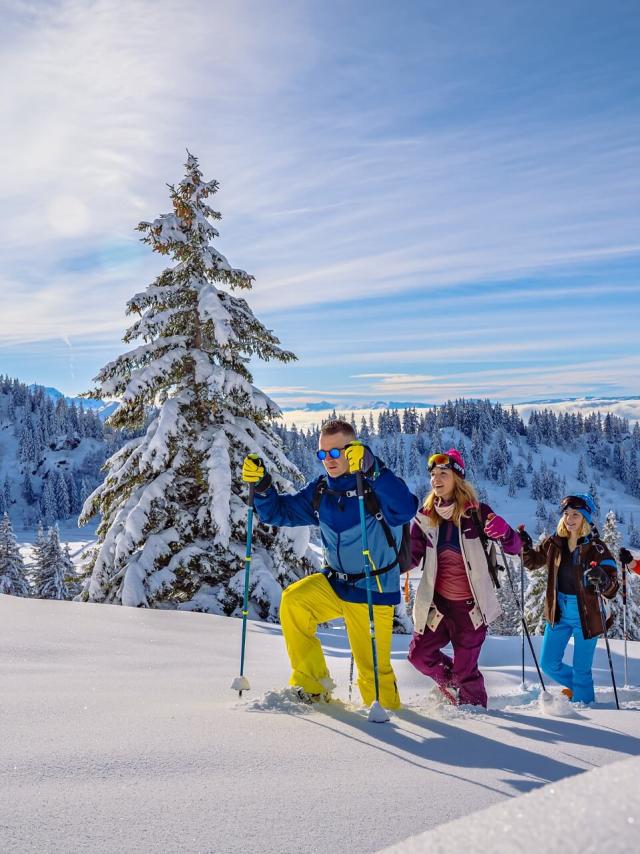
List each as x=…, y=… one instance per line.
x=52, y=569
x=12, y=572
x=508, y=623
x=611, y=536
x=173, y=507
x=535, y=595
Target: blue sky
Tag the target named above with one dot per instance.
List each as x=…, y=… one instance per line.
x=435, y=199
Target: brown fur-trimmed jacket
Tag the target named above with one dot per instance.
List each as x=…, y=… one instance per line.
x=592, y=550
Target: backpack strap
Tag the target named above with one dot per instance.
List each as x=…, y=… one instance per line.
x=489, y=549
x=353, y=577
x=321, y=487
x=372, y=506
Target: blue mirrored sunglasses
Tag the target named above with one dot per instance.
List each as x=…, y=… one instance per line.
x=334, y=453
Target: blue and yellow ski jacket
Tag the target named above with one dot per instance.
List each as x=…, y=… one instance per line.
x=339, y=521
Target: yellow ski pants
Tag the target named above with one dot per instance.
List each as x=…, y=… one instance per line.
x=312, y=600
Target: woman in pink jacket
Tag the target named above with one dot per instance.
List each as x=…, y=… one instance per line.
x=456, y=598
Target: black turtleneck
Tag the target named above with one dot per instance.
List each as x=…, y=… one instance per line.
x=567, y=570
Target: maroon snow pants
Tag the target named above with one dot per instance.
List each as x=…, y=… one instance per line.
x=461, y=672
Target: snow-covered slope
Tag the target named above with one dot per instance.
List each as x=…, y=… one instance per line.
x=120, y=734
x=596, y=812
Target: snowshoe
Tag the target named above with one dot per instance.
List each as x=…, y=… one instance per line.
x=450, y=693
x=443, y=695
x=311, y=699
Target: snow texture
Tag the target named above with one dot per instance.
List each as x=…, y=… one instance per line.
x=596, y=812
x=121, y=734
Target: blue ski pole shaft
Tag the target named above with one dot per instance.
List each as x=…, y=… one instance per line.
x=367, y=572
x=247, y=573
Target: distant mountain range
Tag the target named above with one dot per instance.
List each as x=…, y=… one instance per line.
x=625, y=407
x=101, y=407
x=323, y=405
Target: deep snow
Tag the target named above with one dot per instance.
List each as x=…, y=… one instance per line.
x=120, y=733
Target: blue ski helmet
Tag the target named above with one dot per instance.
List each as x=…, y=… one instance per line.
x=582, y=502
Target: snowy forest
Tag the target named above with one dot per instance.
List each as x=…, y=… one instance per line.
x=51, y=453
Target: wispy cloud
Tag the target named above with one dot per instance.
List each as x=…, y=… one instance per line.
x=394, y=182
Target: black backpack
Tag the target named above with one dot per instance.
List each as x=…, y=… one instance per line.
x=372, y=506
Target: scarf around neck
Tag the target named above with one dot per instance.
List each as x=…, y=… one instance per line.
x=445, y=511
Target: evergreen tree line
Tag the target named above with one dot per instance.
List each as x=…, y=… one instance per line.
x=608, y=443
x=466, y=415
x=50, y=575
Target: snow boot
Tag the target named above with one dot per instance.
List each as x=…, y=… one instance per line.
x=310, y=699
x=567, y=692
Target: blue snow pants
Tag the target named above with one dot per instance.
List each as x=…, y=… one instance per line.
x=579, y=677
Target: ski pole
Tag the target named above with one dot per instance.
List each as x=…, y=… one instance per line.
x=624, y=617
x=603, y=617
x=376, y=713
x=241, y=683
x=522, y=610
x=351, y=678
x=522, y=619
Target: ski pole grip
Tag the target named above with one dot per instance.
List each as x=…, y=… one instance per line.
x=359, y=484
x=625, y=557
x=252, y=492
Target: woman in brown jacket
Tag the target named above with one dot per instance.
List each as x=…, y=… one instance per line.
x=580, y=567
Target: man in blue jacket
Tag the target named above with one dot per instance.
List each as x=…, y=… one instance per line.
x=340, y=589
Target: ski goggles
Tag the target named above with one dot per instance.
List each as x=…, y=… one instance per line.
x=574, y=502
x=444, y=461
x=334, y=453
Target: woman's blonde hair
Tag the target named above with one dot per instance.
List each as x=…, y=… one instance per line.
x=563, y=531
x=464, y=497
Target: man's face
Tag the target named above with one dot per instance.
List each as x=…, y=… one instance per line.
x=334, y=468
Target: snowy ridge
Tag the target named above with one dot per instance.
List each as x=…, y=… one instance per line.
x=578, y=815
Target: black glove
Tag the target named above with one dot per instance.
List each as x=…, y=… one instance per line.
x=596, y=578
x=525, y=537
x=625, y=556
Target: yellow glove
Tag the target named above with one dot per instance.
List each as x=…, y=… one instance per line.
x=253, y=469
x=354, y=452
